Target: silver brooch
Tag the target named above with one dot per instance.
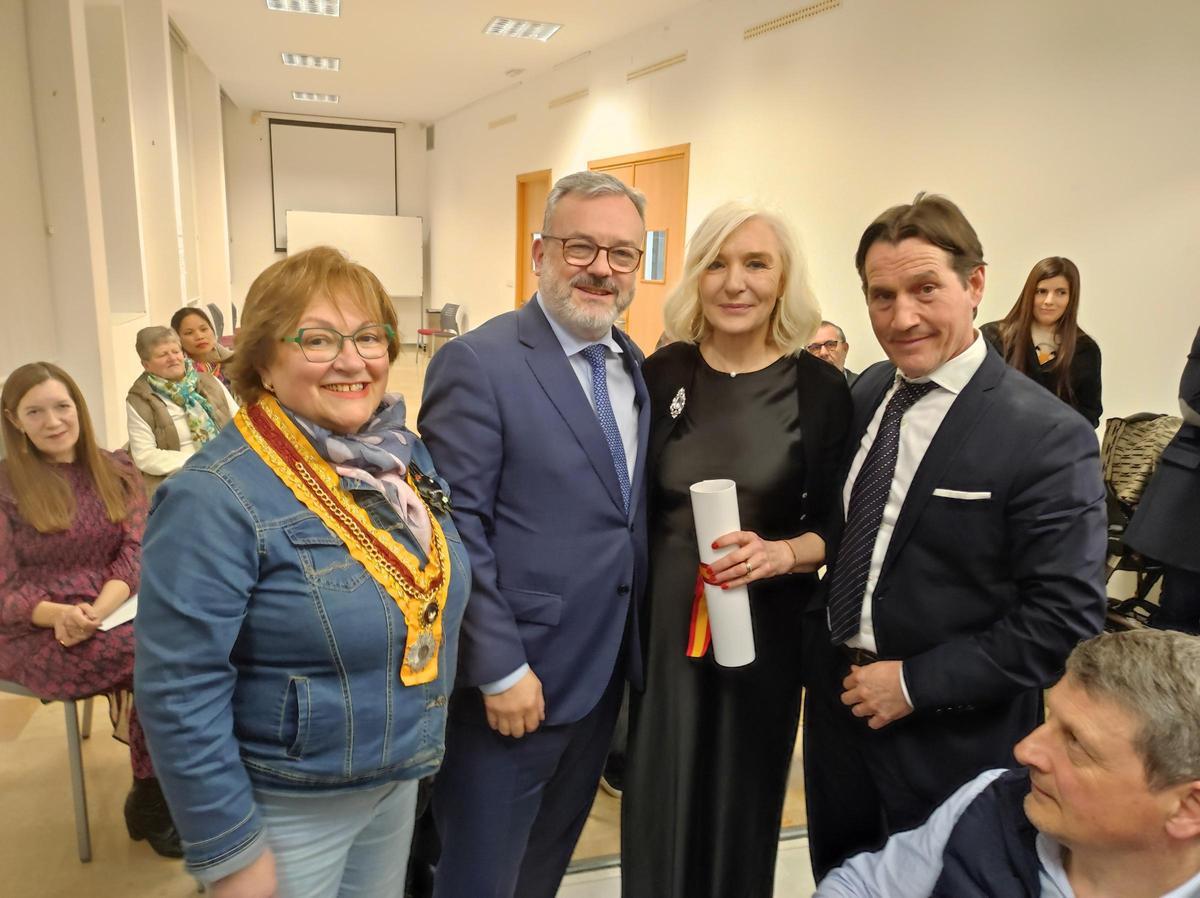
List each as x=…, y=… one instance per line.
x=678, y=403
x=420, y=652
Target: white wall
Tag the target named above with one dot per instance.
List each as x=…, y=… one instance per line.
x=26, y=302
x=113, y=122
x=1065, y=128
x=248, y=184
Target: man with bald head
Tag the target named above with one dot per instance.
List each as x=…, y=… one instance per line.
x=829, y=344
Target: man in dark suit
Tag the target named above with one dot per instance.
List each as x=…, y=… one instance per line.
x=829, y=344
x=971, y=558
x=1166, y=525
x=538, y=419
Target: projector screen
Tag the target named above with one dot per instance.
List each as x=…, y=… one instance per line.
x=320, y=167
x=389, y=245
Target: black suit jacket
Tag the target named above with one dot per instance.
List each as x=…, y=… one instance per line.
x=995, y=569
x=1166, y=525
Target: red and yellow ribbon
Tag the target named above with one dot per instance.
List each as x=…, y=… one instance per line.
x=699, y=634
x=420, y=593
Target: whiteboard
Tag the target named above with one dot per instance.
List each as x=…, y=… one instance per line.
x=389, y=245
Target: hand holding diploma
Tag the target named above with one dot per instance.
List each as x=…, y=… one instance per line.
x=714, y=505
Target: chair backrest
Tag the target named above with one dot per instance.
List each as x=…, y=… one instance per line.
x=218, y=320
x=1130, y=453
x=450, y=317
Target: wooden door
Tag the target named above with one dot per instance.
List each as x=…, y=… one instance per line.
x=532, y=190
x=662, y=175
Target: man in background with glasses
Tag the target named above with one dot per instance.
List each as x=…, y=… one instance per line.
x=539, y=419
x=829, y=344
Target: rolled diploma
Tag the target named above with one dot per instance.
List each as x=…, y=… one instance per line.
x=715, y=508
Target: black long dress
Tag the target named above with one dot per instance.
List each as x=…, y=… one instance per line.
x=710, y=747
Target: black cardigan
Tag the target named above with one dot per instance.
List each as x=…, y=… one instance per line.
x=1085, y=371
x=825, y=412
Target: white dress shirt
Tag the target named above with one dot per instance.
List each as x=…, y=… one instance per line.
x=622, y=395
x=143, y=448
x=917, y=429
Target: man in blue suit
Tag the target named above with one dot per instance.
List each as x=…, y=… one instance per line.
x=972, y=557
x=538, y=419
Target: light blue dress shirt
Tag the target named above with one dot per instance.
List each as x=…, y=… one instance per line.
x=909, y=865
x=623, y=396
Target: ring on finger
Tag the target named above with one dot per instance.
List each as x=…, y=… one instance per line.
x=749, y=566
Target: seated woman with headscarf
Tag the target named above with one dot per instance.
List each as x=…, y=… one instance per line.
x=172, y=409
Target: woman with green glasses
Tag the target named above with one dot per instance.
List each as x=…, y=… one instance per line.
x=172, y=409
x=293, y=685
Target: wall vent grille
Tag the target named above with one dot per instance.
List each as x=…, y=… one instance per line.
x=791, y=18
x=429, y=137
x=568, y=98
x=656, y=66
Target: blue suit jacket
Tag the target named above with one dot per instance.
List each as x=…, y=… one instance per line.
x=555, y=557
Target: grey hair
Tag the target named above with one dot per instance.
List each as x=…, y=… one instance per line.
x=589, y=184
x=841, y=333
x=1155, y=676
x=148, y=339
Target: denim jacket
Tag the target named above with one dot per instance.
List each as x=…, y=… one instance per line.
x=267, y=657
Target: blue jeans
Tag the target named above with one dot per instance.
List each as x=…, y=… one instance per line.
x=341, y=845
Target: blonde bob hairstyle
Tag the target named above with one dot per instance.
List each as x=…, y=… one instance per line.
x=278, y=299
x=796, y=316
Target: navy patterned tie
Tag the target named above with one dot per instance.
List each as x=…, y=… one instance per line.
x=596, y=356
x=868, y=496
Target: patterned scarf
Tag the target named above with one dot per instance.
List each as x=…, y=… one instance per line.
x=377, y=454
x=186, y=394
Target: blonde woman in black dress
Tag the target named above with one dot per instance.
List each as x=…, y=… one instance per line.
x=734, y=397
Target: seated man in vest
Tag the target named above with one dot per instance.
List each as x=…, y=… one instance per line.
x=1107, y=805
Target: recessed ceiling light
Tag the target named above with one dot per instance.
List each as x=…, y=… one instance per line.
x=538, y=31
x=310, y=97
x=314, y=7
x=308, y=61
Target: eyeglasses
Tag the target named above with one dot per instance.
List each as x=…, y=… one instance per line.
x=324, y=344
x=828, y=346
x=581, y=253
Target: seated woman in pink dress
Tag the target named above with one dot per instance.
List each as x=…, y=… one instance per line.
x=71, y=520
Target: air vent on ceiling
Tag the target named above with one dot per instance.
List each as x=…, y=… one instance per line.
x=501, y=122
x=568, y=98
x=656, y=66
x=791, y=18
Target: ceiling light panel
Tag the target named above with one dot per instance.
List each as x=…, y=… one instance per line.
x=308, y=61
x=313, y=7
x=538, y=31
x=310, y=97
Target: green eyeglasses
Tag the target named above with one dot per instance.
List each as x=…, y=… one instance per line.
x=324, y=344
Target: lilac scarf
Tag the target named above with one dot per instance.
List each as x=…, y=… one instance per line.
x=377, y=454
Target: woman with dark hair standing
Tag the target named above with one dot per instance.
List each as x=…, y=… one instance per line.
x=1041, y=338
x=199, y=341
x=71, y=519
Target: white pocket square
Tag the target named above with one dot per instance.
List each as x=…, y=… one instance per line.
x=967, y=495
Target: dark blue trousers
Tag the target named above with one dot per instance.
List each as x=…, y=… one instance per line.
x=509, y=811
